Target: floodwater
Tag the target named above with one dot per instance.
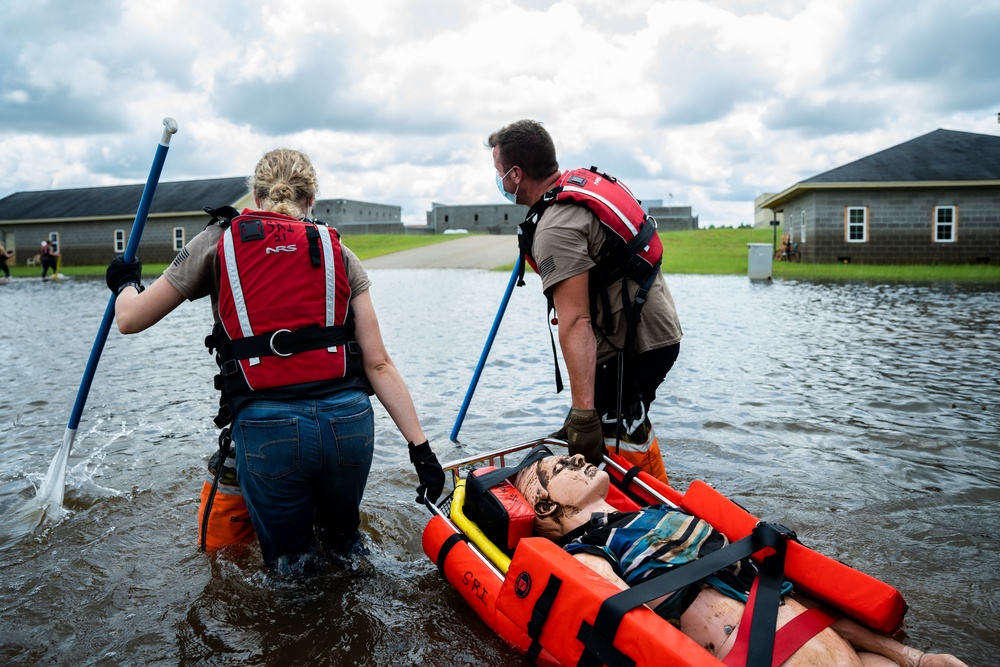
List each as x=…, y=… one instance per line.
x=865, y=416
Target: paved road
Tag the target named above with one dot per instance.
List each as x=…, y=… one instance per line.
x=464, y=252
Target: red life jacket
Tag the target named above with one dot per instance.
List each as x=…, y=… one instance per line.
x=631, y=248
x=284, y=306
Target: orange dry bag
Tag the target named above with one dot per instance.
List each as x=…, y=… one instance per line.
x=223, y=517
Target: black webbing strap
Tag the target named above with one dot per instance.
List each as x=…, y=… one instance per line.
x=312, y=238
x=481, y=483
x=555, y=358
x=446, y=548
x=222, y=215
x=630, y=475
x=284, y=342
x=540, y=614
x=765, y=609
x=614, y=608
x=224, y=442
x=600, y=650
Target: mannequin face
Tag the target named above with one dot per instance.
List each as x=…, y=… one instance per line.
x=559, y=488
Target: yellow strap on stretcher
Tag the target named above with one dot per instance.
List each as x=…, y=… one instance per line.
x=472, y=531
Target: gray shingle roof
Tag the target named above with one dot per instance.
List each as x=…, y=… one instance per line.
x=177, y=197
x=941, y=155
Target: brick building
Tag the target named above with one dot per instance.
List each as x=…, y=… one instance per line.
x=932, y=200
x=92, y=225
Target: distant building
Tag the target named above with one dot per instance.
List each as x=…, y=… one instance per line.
x=673, y=218
x=762, y=217
x=504, y=218
x=476, y=218
x=932, y=200
x=359, y=217
x=92, y=225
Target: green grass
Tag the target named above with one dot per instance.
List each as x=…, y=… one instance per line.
x=374, y=245
x=702, y=251
x=364, y=246
x=724, y=252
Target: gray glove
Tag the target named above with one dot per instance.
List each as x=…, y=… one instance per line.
x=582, y=430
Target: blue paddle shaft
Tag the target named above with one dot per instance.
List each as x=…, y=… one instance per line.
x=130, y=250
x=486, y=350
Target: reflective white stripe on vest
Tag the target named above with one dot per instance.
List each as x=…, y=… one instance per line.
x=621, y=216
x=237, y=289
x=331, y=281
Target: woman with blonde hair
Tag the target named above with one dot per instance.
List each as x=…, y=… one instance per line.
x=299, y=349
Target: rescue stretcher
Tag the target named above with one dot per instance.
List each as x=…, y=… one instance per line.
x=545, y=604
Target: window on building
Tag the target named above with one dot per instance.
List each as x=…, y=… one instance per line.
x=945, y=219
x=119, y=241
x=802, y=227
x=178, y=239
x=856, y=224
x=446, y=218
x=476, y=217
x=505, y=217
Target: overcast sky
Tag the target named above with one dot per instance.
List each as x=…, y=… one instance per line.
x=701, y=103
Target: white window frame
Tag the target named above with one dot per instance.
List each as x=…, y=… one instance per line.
x=950, y=225
x=119, y=236
x=182, y=238
x=54, y=241
x=802, y=228
x=849, y=224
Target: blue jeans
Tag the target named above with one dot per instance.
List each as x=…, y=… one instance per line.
x=303, y=466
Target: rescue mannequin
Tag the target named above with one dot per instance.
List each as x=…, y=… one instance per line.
x=568, y=494
x=303, y=449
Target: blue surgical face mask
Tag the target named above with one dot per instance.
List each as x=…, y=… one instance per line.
x=509, y=196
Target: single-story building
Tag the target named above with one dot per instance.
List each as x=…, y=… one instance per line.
x=476, y=218
x=932, y=200
x=92, y=225
x=359, y=217
x=504, y=218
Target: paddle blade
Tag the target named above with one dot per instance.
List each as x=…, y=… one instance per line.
x=50, y=493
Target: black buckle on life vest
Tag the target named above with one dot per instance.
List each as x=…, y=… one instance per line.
x=251, y=230
x=229, y=368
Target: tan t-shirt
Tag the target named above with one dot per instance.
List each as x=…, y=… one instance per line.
x=568, y=238
x=195, y=272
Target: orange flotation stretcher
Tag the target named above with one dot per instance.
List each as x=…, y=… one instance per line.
x=544, y=603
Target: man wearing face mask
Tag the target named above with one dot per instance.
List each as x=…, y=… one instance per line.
x=617, y=345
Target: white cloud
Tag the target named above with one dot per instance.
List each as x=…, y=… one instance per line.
x=714, y=102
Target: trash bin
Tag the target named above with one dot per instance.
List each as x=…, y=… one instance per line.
x=759, y=261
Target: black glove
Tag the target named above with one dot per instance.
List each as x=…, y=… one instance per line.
x=429, y=472
x=121, y=274
x=582, y=431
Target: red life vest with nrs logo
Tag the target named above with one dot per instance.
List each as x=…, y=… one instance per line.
x=284, y=305
x=632, y=249
x=632, y=246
